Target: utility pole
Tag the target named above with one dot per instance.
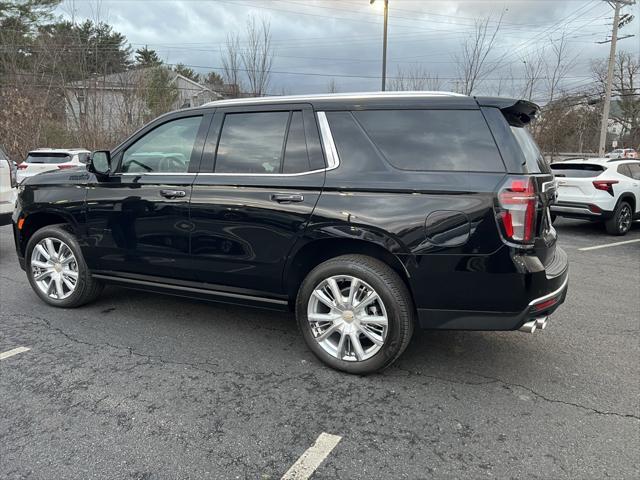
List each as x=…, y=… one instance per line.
x=612, y=59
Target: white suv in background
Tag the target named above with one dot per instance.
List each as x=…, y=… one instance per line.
x=603, y=189
x=622, y=153
x=46, y=159
x=8, y=190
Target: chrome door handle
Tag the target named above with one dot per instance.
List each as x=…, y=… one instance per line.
x=173, y=193
x=287, y=198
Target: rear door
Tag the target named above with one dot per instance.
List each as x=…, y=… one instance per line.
x=261, y=177
x=138, y=217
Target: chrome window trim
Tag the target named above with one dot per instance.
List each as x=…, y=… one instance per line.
x=331, y=153
x=141, y=174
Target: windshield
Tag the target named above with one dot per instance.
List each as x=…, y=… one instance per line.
x=47, y=158
x=534, y=161
x=577, y=170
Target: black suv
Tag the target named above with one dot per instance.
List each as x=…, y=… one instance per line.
x=367, y=214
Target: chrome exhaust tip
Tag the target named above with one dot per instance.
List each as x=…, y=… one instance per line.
x=529, y=327
x=541, y=323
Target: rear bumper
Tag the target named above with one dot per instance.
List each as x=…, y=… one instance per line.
x=544, y=292
x=586, y=211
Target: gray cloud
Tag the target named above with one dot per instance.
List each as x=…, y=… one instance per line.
x=319, y=40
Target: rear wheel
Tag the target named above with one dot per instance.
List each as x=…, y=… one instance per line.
x=620, y=223
x=355, y=313
x=56, y=269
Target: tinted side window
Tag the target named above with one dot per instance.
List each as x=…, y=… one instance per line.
x=251, y=142
x=165, y=149
x=535, y=162
x=624, y=170
x=457, y=140
x=635, y=170
x=357, y=153
x=296, y=159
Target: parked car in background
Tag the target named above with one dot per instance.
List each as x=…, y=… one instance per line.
x=47, y=159
x=365, y=214
x=622, y=153
x=599, y=189
x=8, y=190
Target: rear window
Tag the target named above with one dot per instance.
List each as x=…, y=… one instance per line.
x=534, y=160
x=576, y=170
x=446, y=140
x=47, y=158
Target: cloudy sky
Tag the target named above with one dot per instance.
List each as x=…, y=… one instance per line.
x=317, y=41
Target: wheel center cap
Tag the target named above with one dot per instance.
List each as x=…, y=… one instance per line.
x=348, y=316
x=57, y=267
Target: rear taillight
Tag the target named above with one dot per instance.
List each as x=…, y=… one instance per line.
x=517, y=204
x=62, y=167
x=22, y=166
x=605, y=185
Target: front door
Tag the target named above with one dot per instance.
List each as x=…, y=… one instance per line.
x=266, y=171
x=138, y=217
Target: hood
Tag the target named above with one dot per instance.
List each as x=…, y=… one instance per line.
x=68, y=176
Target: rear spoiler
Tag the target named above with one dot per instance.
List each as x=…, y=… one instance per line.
x=517, y=112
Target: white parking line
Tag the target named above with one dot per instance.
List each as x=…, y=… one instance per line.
x=312, y=458
x=606, y=245
x=13, y=352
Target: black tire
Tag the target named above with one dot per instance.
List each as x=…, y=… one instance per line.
x=553, y=217
x=86, y=289
x=393, y=293
x=621, y=221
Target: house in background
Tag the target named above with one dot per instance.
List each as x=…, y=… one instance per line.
x=123, y=102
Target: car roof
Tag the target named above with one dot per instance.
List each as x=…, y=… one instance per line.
x=60, y=150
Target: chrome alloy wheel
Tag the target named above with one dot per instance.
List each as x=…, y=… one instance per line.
x=348, y=318
x=54, y=268
x=624, y=219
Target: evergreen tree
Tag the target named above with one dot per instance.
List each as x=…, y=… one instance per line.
x=186, y=72
x=146, y=57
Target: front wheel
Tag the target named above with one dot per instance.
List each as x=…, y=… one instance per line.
x=56, y=268
x=620, y=223
x=355, y=313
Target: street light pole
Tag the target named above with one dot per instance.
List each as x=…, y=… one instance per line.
x=384, y=43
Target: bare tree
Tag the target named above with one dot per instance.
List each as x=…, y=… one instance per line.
x=626, y=77
x=534, y=68
x=414, y=78
x=257, y=57
x=558, y=66
x=232, y=65
x=472, y=64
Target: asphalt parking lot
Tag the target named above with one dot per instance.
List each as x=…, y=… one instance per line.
x=146, y=386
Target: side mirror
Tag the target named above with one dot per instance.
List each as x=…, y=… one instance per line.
x=100, y=162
